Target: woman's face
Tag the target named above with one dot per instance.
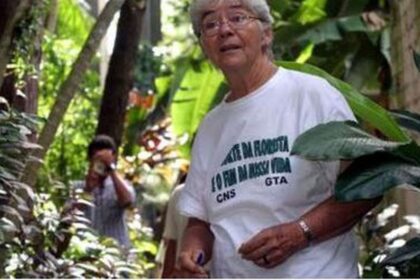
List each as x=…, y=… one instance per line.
x=232, y=37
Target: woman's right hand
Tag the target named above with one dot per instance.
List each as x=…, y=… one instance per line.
x=188, y=266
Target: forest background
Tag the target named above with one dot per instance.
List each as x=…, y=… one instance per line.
x=59, y=88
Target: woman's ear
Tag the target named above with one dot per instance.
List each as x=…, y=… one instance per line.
x=203, y=49
x=267, y=39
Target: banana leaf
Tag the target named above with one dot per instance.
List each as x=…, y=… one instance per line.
x=373, y=175
x=378, y=166
x=346, y=141
x=194, y=97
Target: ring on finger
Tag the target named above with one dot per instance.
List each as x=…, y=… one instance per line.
x=266, y=261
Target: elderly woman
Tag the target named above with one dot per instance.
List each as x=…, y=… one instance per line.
x=255, y=210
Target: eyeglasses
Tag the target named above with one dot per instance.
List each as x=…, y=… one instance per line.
x=211, y=26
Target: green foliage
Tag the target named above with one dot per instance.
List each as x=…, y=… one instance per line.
x=341, y=140
x=200, y=87
x=66, y=157
x=310, y=11
x=148, y=67
x=73, y=21
x=177, y=36
x=144, y=247
x=37, y=238
x=148, y=100
x=365, y=178
x=155, y=168
x=24, y=42
x=343, y=39
x=188, y=90
x=16, y=199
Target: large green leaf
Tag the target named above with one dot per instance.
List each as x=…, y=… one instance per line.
x=378, y=166
x=372, y=175
x=194, y=97
x=340, y=140
x=409, y=251
x=407, y=119
x=362, y=106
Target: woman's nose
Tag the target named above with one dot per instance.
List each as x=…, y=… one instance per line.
x=225, y=28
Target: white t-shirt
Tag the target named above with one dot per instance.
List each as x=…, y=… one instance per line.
x=243, y=178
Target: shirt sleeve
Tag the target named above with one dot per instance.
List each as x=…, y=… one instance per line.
x=132, y=192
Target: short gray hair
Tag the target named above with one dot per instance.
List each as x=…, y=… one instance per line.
x=259, y=8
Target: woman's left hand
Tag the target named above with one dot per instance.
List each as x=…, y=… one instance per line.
x=272, y=246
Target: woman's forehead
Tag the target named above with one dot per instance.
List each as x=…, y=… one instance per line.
x=216, y=5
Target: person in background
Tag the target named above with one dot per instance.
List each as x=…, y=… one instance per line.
x=254, y=209
x=112, y=195
x=175, y=225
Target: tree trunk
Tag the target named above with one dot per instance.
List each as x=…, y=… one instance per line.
x=69, y=87
x=29, y=102
x=120, y=76
x=8, y=89
x=35, y=18
x=10, y=13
